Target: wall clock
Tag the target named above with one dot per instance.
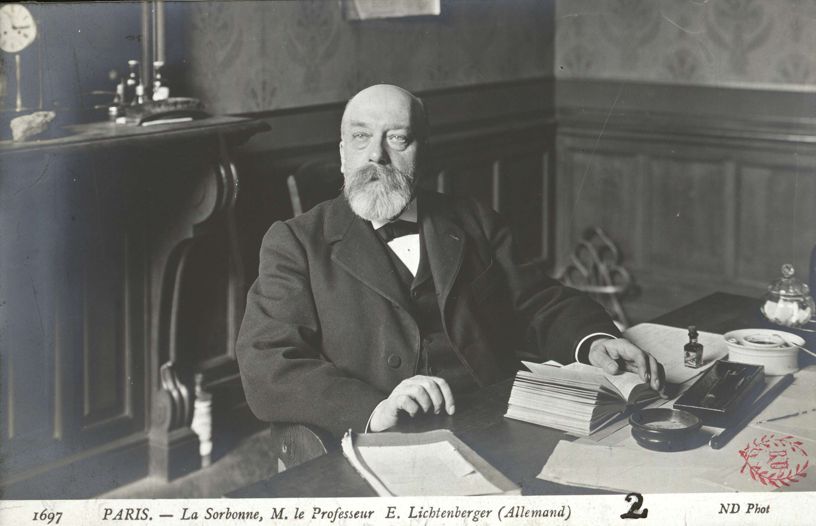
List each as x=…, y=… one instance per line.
x=17, y=31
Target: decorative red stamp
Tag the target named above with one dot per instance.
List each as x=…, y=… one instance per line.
x=775, y=460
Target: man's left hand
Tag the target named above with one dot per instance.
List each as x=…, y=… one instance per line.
x=617, y=355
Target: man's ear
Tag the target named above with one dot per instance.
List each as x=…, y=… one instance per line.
x=342, y=159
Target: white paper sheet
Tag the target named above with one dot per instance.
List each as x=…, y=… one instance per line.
x=425, y=469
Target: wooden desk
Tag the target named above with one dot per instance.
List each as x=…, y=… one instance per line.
x=516, y=448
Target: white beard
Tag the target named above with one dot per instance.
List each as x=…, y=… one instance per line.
x=382, y=199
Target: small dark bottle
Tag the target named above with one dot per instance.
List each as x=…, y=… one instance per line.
x=693, y=350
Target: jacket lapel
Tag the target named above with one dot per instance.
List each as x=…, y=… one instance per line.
x=360, y=253
x=445, y=244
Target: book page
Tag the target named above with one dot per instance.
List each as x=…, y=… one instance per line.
x=623, y=384
x=576, y=373
x=626, y=383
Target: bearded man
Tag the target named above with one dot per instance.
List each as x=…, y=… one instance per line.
x=389, y=299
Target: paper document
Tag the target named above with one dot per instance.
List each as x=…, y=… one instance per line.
x=426, y=469
x=629, y=467
x=793, y=412
x=619, y=463
x=423, y=464
x=666, y=345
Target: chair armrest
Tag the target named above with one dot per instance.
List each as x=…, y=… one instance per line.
x=296, y=443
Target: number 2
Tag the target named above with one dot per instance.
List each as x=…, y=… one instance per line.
x=634, y=510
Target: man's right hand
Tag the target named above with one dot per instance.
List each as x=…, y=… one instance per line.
x=413, y=395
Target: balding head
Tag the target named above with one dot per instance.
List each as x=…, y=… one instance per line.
x=387, y=98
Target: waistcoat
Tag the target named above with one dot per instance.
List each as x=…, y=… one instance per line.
x=436, y=354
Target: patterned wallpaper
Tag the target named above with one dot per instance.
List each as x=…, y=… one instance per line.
x=705, y=42
x=253, y=56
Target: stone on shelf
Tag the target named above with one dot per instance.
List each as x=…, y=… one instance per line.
x=27, y=127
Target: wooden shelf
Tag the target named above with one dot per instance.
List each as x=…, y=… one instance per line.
x=108, y=134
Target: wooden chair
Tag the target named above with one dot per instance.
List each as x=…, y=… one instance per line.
x=294, y=444
x=313, y=183
x=595, y=268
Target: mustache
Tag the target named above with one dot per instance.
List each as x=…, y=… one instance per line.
x=375, y=172
x=388, y=177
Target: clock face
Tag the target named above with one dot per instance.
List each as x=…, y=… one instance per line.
x=17, y=28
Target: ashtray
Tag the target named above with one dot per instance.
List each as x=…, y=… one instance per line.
x=777, y=351
x=665, y=429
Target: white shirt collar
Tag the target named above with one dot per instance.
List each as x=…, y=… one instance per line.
x=409, y=214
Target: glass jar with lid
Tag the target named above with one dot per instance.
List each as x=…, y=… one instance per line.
x=788, y=301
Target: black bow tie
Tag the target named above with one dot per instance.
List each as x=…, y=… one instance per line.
x=396, y=229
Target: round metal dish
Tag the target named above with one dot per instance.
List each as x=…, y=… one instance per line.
x=665, y=429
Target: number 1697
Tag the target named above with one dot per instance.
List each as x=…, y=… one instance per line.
x=48, y=517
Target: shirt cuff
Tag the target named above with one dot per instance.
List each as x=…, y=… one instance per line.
x=582, y=349
x=368, y=424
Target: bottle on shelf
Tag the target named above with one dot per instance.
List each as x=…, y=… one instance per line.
x=116, y=108
x=140, y=95
x=160, y=91
x=131, y=83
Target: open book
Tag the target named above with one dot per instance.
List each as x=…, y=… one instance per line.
x=575, y=398
x=423, y=464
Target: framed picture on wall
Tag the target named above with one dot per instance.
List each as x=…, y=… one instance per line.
x=371, y=9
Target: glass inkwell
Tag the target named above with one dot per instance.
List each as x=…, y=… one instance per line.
x=693, y=350
x=788, y=301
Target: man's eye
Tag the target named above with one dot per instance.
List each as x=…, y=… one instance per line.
x=398, y=141
x=358, y=136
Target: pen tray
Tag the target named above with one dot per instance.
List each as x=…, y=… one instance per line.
x=721, y=391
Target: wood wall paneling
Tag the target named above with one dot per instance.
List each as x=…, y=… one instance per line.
x=716, y=196
x=601, y=188
x=687, y=205
x=777, y=218
x=521, y=184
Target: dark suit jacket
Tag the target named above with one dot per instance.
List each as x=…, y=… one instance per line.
x=328, y=332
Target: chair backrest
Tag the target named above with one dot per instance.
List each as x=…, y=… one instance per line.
x=595, y=268
x=313, y=183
